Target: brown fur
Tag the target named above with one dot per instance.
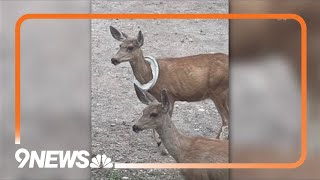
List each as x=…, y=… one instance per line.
x=182, y=148
x=192, y=78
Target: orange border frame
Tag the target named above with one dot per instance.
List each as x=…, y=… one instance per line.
x=299, y=19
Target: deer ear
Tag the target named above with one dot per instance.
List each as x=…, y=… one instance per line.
x=140, y=39
x=120, y=36
x=165, y=100
x=144, y=96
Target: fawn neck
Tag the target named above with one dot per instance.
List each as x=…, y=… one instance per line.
x=141, y=68
x=172, y=139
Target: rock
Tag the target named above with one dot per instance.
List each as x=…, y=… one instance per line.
x=124, y=178
x=201, y=110
x=112, y=125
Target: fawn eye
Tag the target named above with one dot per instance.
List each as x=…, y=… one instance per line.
x=153, y=114
x=130, y=48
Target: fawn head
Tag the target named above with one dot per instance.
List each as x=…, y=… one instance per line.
x=154, y=113
x=129, y=48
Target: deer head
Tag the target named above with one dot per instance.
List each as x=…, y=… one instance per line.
x=129, y=48
x=154, y=113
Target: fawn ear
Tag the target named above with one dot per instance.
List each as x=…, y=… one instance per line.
x=120, y=36
x=140, y=39
x=144, y=96
x=165, y=100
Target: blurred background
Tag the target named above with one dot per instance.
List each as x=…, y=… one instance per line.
x=265, y=87
x=55, y=86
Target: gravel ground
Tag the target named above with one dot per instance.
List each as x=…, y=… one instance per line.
x=114, y=103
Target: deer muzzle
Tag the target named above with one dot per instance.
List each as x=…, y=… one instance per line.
x=136, y=128
x=115, y=61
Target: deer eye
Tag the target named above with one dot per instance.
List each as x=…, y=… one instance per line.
x=153, y=114
x=130, y=48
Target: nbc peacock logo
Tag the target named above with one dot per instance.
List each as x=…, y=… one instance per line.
x=101, y=161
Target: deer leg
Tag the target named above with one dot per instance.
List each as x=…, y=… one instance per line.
x=222, y=105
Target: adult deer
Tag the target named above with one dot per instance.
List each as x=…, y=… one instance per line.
x=191, y=78
x=182, y=148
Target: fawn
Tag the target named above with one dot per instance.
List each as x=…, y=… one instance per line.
x=182, y=148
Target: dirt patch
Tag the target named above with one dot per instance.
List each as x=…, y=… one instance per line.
x=114, y=103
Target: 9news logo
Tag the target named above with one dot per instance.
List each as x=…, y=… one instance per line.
x=61, y=159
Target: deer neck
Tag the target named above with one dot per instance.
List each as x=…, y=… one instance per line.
x=141, y=69
x=172, y=139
